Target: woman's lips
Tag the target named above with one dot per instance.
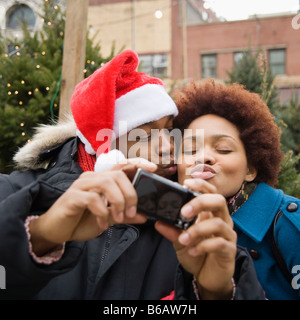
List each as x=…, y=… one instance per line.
x=204, y=172
x=203, y=175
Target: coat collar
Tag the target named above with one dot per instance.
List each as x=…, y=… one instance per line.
x=256, y=215
x=46, y=140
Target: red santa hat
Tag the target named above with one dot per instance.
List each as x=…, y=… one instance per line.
x=114, y=94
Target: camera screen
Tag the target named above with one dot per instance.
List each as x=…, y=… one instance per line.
x=158, y=199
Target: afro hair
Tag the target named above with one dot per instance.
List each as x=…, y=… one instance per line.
x=250, y=115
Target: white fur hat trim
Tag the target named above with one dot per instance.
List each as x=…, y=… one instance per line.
x=107, y=160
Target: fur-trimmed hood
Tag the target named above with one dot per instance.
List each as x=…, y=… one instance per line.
x=45, y=137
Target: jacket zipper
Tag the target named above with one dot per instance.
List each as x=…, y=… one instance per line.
x=107, y=244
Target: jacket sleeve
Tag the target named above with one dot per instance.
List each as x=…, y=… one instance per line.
x=247, y=285
x=25, y=277
x=287, y=236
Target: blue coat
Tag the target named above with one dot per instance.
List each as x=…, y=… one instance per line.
x=253, y=224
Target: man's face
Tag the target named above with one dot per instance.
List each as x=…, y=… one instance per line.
x=151, y=141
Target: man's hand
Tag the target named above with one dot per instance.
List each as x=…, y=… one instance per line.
x=92, y=203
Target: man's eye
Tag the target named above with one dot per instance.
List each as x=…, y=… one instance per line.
x=224, y=151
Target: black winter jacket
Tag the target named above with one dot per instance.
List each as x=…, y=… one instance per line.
x=125, y=262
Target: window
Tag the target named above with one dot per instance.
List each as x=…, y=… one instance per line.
x=155, y=65
x=209, y=66
x=277, y=61
x=237, y=56
x=18, y=15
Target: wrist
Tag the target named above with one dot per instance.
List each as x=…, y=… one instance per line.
x=225, y=293
x=39, y=245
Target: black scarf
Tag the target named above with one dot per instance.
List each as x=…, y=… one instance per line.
x=236, y=201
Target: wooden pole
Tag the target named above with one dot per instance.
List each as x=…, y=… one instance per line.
x=74, y=52
x=184, y=40
x=133, y=24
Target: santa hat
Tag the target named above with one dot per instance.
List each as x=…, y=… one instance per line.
x=113, y=95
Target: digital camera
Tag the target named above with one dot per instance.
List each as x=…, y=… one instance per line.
x=162, y=199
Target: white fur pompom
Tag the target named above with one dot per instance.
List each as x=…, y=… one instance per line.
x=107, y=160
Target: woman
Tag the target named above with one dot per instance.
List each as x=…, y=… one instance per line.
x=69, y=226
x=240, y=158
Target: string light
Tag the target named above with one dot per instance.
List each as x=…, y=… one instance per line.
x=38, y=66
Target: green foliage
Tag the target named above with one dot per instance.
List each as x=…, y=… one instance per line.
x=30, y=79
x=290, y=116
x=252, y=72
x=289, y=179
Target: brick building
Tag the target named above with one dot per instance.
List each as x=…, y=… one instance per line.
x=214, y=48
x=180, y=39
x=196, y=44
x=144, y=26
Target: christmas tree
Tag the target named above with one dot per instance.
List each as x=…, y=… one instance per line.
x=290, y=115
x=30, y=77
x=252, y=72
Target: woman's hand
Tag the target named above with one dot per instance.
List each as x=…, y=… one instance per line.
x=92, y=203
x=208, y=248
